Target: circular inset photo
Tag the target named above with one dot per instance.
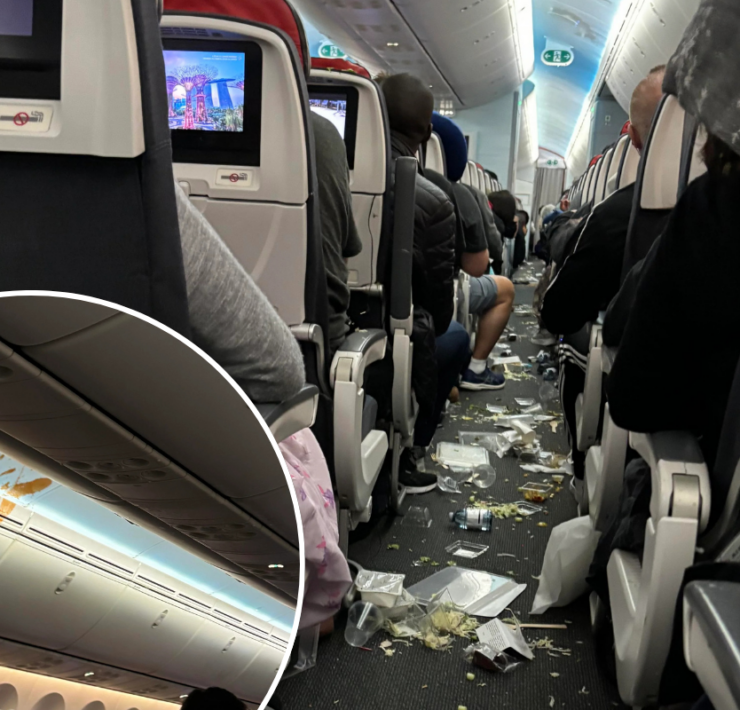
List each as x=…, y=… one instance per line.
x=150, y=535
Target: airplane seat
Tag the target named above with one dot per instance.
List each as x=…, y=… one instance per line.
x=383, y=203
x=276, y=194
x=665, y=165
x=671, y=158
x=435, y=159
x=101, y=218
x=481, y=182
x=595, y=180
x=712, y=639
x=600, y=194
x=339, y=65
x=488, y=184
x=615, y=165
x=589, y=179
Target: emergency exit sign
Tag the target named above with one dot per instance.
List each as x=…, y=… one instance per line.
x=557, y=57
x=331, y=51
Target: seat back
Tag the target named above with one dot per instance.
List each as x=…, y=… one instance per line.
x=612, y=178
x=588, y=181
x=595, y=180
x=257, y=186
x=435, y=158
x=628, y=168
x=481, y=185
x=364, y=127
x=488, y=183
x=667, y=162
x=85, y=173
x=600, y=195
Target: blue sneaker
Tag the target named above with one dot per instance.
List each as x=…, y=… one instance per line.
x=487, y=380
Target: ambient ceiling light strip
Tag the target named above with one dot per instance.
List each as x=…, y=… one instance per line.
x=530, y=131
x=522, y=26
x=621, y=29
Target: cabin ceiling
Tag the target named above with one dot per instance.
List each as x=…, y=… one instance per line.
x=466, y=50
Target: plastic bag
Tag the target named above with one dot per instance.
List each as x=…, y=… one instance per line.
x=568, y=556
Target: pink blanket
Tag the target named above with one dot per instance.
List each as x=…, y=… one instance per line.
x=328, y=575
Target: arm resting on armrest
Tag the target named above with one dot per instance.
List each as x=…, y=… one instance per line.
x=293, y=415
x=680, y=478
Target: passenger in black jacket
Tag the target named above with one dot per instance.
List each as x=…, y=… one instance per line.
x=589, y=277
x=410, y=106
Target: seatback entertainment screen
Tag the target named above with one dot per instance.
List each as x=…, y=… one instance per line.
x=16, y=18
x=332, y=107
x=205, y=90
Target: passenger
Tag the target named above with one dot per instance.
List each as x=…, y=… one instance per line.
x=338, y=230
x=552, y=214
x=441, y=347
x=647, y=388
x=235, y=324
x=591, y=275
x=212, y=699
x=520, y=246
x=491, y=299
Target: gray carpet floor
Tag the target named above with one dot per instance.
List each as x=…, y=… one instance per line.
x=417, y=677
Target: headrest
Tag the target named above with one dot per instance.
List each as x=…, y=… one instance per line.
x=594, y=160
x=703, y=75
x=275, y=13
x=454, y=144
x=339, y=65
x=625, y=128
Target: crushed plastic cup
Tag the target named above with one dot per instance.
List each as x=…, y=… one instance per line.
x=363, y=621
x=548, y=393
x=484, y=476
x=417, y=517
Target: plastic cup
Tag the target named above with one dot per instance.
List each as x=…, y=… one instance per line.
x=363, y=621
x=548, y=393
x=484, y=476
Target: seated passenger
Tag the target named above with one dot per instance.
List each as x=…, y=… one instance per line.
x=550, y=215
x=491, y=299
x=234, y=323
x=441, y=348
x=338, y=230
x=648, y=389
x=520, y=247
x=591, y=275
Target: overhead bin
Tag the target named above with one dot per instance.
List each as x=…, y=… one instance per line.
x=106, y=400
x=74, y=604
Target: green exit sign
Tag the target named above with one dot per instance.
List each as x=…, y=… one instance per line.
x=331, y=51
x=557, y=57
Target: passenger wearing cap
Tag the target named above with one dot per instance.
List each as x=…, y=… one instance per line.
x=650, y=387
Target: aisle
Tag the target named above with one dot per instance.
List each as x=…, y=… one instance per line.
x=417, y=677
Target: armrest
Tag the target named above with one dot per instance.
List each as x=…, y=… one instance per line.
x=712, y=609
x=356, y=353
x=404, y=211
x=607, y=359
x=313, y=333
x=679, y=475
x=289, y=417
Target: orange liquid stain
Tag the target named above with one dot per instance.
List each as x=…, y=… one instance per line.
x=6, y=508
x=9, y=471
x=29, y=488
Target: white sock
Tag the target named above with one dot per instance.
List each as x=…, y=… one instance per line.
x=478, y=366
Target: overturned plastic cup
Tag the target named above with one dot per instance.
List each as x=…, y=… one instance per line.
x=363, y=621
x=417, y=517
x=484, y=476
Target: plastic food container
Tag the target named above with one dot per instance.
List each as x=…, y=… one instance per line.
x=469, y=550
x=461, y=456
x=380, y=588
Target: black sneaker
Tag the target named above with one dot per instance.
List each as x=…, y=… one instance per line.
x=416, y=482
x=412, y=479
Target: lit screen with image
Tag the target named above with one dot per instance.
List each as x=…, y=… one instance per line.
x=332, y=107
x=205, y=90
x=16, y=17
